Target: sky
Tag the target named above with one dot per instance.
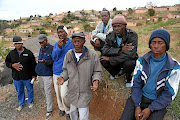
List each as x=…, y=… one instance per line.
x=14, y=9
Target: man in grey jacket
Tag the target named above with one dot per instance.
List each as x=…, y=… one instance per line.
x=120, y=50
x=102, y=29
x=83, y=69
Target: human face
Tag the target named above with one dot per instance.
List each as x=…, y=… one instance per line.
x=78, y=44
x=43, y=44
x=62, y=34
x=18, y=46
x=119, y=29
x=105, y=17
x=158, y=47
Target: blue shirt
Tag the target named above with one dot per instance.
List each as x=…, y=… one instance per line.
x=118, y=41
x=156, y=66
x=104, y=29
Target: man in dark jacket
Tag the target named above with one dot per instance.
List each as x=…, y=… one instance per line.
x=120, y=50
x=22, y=62
x=44, y=70
x=155, y=82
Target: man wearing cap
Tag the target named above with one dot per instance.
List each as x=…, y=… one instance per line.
x=120, y=50
x=60, y=49
x=155, y=82
x=102, y=29
x=22, y=62
x=83, y=70
x=44, y=71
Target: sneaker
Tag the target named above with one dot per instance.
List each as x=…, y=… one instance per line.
x=68, y=117
x=19, y=108
x=48, y=115
x=115, y=77
x=62, y=113
x=121, y=72
x=111, y=77
x=128, y=85
x=30, y=105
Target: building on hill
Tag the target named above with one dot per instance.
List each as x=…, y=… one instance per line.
x=141, y=10
x=29, y=30
x=131, y=23
x=58, y=19
x=48, y=30
x=173, y=8
x=161, y=9
x=125, y=13
x=9, y=30
x=174, y=15
x=36, y=24
x=25, y=26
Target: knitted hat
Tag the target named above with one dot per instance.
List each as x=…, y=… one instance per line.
x=17, y=39
x=62, y=27
x=163, y=34
x=42, y=37
x=78, y=34
x=119, y=19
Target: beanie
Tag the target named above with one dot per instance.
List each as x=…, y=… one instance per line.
x=119, y=19
x=17, y=39
x=62, y=27
x=163, y=34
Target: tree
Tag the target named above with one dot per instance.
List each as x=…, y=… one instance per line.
x=42, y=31
x=114, y=9
x=118, y=12
x=160, y=19
x=151, y=12
x=130, y=10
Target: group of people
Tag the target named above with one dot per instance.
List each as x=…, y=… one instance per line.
x=76, y=70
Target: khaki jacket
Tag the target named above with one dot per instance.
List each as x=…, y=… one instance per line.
x=81, y=77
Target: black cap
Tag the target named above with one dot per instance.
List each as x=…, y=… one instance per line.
x=17, y=39
x=78, y=34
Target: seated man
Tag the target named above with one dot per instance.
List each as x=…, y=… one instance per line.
x=155, y=81
x=102, y=29
x=120, y=49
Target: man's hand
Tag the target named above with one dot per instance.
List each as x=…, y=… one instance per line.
x=17, y=66
x=60, y=43
x=42, y=61
x=105, y=58
x=145, y=114
x=60, y=81
x=95, y=85
x=34, y=77
x=137, y=112
x=127, y=47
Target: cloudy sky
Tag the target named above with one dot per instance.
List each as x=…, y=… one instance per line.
x=14, y=9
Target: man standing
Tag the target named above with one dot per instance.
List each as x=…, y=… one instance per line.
x=102, y=29
x=120, y=50
x=60, y=49
x=83, y=70
x=22, y=62
x=155, y=82
x=44, y=71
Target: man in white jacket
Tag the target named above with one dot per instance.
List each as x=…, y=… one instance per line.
x=102, y=29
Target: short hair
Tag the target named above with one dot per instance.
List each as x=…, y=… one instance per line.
x=105, y=10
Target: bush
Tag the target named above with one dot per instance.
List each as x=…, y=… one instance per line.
x=151, y=12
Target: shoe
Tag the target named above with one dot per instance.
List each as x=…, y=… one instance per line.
x=128, y=85
x=62, y=113
x=121, y=72
x=48, y=115
x=19, y=108
x=68, y=117
x=30, y=105
x=111, y=77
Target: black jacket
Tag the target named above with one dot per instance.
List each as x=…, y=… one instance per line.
x=112, y=50
x=28, y=62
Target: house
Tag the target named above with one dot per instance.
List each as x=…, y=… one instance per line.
x=160, y=9
x=141, y=10
x=75, y=21
x=131, y=23
x=9, y=30
x=36, y=24
x=155, y=19
x=58, y=19
x=173, y=8
x=164, y=19
x=125, y=13
x=174, y=15
x=25, y=26
x=29, y=30
x=48, y=30
x=54, y=23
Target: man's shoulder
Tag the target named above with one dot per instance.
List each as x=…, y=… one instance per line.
x=130, y=31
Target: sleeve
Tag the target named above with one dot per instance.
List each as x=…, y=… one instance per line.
x=8, y=61
x=64, y=74
x=56, y=53
x=137, y=84
x=128, y=54
x=97, y=72
x=170, y=90
x=33, y=64
x=94, y=32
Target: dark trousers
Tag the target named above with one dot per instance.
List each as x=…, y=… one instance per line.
x=128, y=67
x=129, y=110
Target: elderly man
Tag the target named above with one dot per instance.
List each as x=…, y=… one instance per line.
x=44, y=71
x=60, y=49
x=22, y=62
x=102, y=29
x=83, y=69
x=155, y=81
x=120, y=50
